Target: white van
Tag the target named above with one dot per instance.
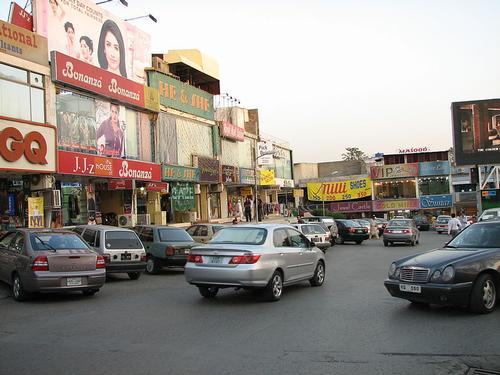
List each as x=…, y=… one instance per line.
x=491, y=213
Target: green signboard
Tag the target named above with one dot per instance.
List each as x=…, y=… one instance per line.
x=182, y=196
x=177, y=173
x=181, y=96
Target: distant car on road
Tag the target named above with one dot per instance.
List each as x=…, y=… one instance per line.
x=422, y=222
x=350, y=230
x=264, y=256
x=165, y=246
x=316, y=234
x=441, y=224
x=464, y=272
x=401, y=230
x=203, y=232
x=49, y=260
x=489, y=214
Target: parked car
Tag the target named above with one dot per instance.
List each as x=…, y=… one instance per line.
x=121, y=248
x=165, y=246
x=316, y=234
x=464, y=272
x=48, y=260
x=315, y=219
x=365, y=223
x=203, y=232
x=350, y=230
x=490, y=213
x=441, y=224
x=404, y=231
x=265, y=256
x=422, y=222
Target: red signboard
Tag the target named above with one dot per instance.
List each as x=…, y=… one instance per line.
x=120, y=184
x=157, y=186
x=364, y=206
x=79, y=74
x=20, y=17
x=93, y=165
x=231, y=131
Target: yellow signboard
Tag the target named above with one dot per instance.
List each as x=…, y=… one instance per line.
x=35, y=212
x=267, y=177
x=151, y=99
x=339, y=190
x=298, y=193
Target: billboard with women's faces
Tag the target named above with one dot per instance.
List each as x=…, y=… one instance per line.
x=83, y=30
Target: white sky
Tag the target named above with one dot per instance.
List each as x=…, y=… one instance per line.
x=328, y=74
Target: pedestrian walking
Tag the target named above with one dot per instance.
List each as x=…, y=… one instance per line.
x=373, y=228
x=248, y=209
x=454, y=226
x=463, y=220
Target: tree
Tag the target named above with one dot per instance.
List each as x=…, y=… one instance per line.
x=353, y=153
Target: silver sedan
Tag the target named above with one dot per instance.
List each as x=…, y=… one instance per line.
x=265, y=256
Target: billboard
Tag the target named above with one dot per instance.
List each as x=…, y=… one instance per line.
x=394, y=171
x=83, y=30
x=436, y=201
x=490, y=198
x=476, y=131
x=19, y=42
x=267, y=177
x=339, y=190
x=35, y=212
x=396, y=204
x=434, y=168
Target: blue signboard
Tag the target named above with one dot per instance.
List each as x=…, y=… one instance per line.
x=436, y=201
x=434, y=168
x=11, y=204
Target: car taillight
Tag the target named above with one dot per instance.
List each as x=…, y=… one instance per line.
x=350, y=230
x=387, y=231
x=244, y=259
x=106, y=257
x=365, y=230
x=41, y=263
x=100, y=262
x=407, y=231
x=143, y=257
x=169, y=251
x=195, y=258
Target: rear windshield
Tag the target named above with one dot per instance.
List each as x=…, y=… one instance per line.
x=174, y=235
x=443, y=220
x=399, y=223
x=122, y=240
x=56, y=241
x=351, y=223
x=242, y=236
x=312, y=229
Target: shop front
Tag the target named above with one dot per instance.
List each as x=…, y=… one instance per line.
x=210, y=187
x=396, y=207
x=114, y=191
x=231, y=192
x=180, y=204
x=434, y=188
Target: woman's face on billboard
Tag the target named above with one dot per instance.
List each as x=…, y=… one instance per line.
x=112, y=51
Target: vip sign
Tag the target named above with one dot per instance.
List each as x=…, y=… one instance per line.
x=25, y=146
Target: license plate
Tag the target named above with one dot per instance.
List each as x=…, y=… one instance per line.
x=360, y=230
x=397, y=231
x=410, y=288
x=315, y=239
x=186, y=251
x=74, y=281
x=216, y=260
x=126, y=256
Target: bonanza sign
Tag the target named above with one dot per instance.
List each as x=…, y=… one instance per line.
x=339, y=190
x=27, y=147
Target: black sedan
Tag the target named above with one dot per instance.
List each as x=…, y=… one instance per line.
x=350, y=230
x=466, y=271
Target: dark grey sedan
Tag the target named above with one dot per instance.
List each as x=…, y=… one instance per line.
x=402, y=231
x=47, y=260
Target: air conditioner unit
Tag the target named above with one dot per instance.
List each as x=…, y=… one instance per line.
x=160, y=65
x=55, y=199
x=197, y=189
x=127, y=220
x=217, y=188
x=42, y=182
x=143, y=219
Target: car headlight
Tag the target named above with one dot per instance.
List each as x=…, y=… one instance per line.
x=436, y=276
x=448, y=274
x=392, y=269
x=397, y=273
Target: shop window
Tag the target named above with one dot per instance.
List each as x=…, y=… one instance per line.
x=21, y=94
x=434, y=186
x=395, y=189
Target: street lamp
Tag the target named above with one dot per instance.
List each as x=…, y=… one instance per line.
x=150, y=16
x=257, y=157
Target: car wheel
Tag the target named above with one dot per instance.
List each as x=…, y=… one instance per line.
x=386, y=243
x=152, y=266
x=18, y=290
x=134, y=275
x=358, y=242
x=89, y=292
x=319, y=275
x=208, y=291
x=484, y=295
x=274, y=288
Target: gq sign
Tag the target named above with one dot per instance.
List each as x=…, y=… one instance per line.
x=26, y=146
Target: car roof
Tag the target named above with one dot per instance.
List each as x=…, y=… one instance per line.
x=104, y=227
x=42, y=230
x=261, y=226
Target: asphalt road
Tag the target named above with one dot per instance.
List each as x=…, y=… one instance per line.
x=160, y=325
